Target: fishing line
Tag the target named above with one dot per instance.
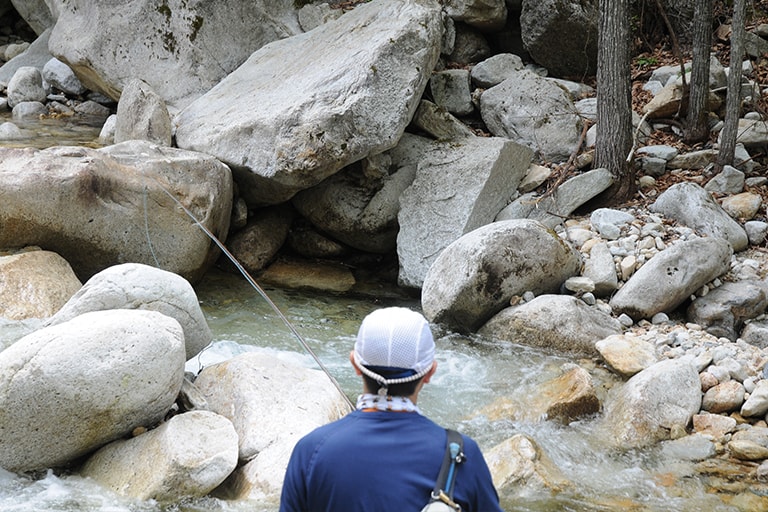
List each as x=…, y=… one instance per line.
x=264, y=295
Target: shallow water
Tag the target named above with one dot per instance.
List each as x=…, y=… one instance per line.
x=472, y=374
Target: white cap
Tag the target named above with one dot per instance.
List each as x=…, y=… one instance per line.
x=394, y=339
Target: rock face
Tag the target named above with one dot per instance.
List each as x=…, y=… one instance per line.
x=180, y=49
x=97, y=208
x=137, y=286
x=555, y=322
x=458, y=187
x=490, y=265
x=352, y=94
x=670, y=277
x=68, y=389
x=35, y=284
x=187, y=456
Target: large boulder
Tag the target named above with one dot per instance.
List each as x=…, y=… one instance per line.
x=272, y=403
x=476, y=276
x=98, y=208
x=180, y=49
x=724, y=311
x=689, y=204
x=68, y=389
x=668, y=279
x=187, y=456
x=458, y=187
x=559, y=323
x=351, y=94
x=535, y=112
x=137, y=286
x=644, y=410
x=35, y=284
x=561, y=36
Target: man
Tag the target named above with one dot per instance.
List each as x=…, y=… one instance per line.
x=385, y=456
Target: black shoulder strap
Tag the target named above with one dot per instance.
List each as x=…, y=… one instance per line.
x=442, y=483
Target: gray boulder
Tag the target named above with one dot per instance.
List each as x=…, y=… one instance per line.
x=35, y=284
x=68, y=389
x=559, y=323
x=561, y=36
x=723, y=311
x=142, y=115
x=98, y=208
x=644, y=410
x=535, y=112
x=668, y=279
x=476, y=276
x=186, y=457
x=26, y=85
x=689, y=204
x=486, y=15
x=459, y=186
x=137, y=286
x=352, y=94
x=180, y=50
x=61, y=76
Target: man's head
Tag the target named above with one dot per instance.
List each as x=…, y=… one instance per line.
x=394, y=350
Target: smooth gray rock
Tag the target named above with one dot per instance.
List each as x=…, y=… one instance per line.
x=723, y=311
x=669, y=278
x=137, y=286
x=187, y=456
x=560, y=323
x=26, y=85
x=694, y=207
x=476, y=276
x=643, y=410
x=61, y=76
x=142, y=115
x=68, y=389
x=180, y=49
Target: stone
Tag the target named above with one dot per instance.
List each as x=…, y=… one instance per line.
x=725, y=397
x=625, y=354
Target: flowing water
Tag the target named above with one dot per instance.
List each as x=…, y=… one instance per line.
x=474, y=376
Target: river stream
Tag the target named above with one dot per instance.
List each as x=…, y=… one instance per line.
x=474, y=375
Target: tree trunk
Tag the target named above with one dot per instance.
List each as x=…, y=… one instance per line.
x=733, y=98
x=697, y=129
x=614, y=99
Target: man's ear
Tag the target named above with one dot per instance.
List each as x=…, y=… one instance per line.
x=430, y=373
x=354, y=364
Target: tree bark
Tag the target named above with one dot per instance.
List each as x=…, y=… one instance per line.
x=733, y=98
x=614, y=99
x=697, y=129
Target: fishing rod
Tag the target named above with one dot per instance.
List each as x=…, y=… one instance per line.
x=264, y=295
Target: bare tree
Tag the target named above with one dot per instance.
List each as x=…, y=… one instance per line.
x=733, y=98
x=614, y=99
x=696, y=129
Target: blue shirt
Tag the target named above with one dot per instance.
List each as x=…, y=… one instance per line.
x=380, y=462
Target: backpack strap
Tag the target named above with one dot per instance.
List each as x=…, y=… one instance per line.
x=454, y=455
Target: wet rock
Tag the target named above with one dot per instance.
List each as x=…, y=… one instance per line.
x=185, y=457
x=556, y=322
x=520, y=463
x=309, y=275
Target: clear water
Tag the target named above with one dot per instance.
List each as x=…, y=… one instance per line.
x=472, y=375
